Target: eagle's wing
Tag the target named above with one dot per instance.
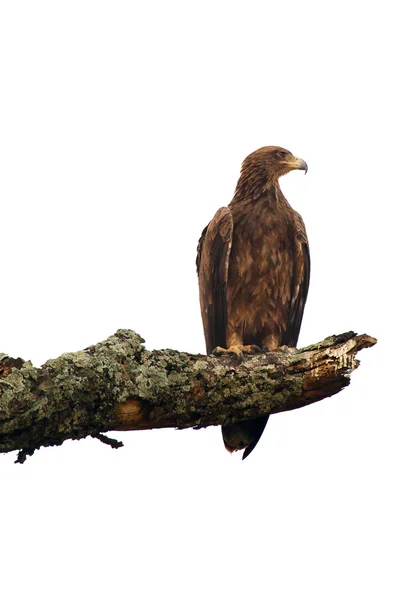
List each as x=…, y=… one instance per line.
x=212, y=262
x=300, y=283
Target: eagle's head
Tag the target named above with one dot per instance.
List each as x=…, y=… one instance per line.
x=262, y=168
x=274, y=161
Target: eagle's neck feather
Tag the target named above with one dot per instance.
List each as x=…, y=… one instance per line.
x=254, y=188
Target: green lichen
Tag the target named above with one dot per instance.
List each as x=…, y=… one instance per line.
x=151, y=382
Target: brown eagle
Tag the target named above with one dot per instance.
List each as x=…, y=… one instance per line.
x=253, y=264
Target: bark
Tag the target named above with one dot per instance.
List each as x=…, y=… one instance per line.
x=119, y=385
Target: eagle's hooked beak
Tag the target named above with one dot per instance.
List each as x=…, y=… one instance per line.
x=300, y=164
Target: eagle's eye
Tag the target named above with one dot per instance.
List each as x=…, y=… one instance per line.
x=280, y=154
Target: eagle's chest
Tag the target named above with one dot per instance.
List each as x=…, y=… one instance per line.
x=260, y=277
x=262, y=253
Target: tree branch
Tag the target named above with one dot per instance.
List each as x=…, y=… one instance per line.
x=119, y=385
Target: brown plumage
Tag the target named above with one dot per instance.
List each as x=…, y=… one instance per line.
x=253, y=265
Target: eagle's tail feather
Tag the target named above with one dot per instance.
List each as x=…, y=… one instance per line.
x=243, y=435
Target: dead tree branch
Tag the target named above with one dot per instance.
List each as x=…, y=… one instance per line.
x=119, y=385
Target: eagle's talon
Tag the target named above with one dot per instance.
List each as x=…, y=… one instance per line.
x=232, y=351
x=286, y=349
x=218, y=351
x=252, y=349
x=236, y=350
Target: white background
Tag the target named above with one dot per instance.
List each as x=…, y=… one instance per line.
x=123, y=127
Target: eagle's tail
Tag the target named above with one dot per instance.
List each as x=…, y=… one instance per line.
x=243, y=435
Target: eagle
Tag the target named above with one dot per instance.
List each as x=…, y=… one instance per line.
x=253, y=266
